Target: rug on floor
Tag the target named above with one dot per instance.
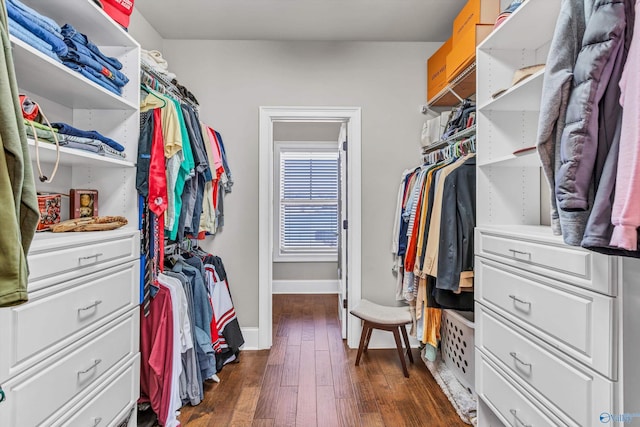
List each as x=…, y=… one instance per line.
x=464, y=402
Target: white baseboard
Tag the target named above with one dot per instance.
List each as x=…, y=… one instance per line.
x=384, y=339
x=250, y=336
x=305, y=287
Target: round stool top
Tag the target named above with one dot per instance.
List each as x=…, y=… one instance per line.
x=384, y=315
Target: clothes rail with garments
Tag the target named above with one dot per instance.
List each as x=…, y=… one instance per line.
x=189, y=325
x=434, y=257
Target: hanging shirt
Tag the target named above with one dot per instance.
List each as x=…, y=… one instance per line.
x=156, y=351
x=157, y=176
x=185, y=172
x=170, y=125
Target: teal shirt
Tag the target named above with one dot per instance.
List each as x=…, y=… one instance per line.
x=186, y=169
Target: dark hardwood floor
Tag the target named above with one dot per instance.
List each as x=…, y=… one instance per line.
x=308, y=378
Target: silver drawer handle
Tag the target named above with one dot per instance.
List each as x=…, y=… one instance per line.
x=97, y=421
x=516, y=299
x=518, y=420
x=90, y=368
x=96, y=256
x=517, y=359
x=515, y=252
x=89, y=307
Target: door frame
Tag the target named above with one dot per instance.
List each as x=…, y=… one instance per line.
x=269, y=115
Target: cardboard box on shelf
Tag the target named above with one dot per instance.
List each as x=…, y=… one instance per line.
x=463, y=52
x=436, y=70
x=474, y=12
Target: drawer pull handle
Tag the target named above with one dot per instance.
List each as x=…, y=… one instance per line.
x=96, y=256
x=518, y=420
x=516, y=299
x=90, y=368
x=515, y=252
x=89, y=307
x=97, y=421
x=517, y=359
x=2, y=395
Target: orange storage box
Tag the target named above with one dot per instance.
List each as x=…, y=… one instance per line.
x=474, y=12
x=437, y=71
x=463, y=52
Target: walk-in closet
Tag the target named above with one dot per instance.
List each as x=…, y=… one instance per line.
x=319, y=213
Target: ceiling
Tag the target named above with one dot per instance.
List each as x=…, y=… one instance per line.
x=303, y=20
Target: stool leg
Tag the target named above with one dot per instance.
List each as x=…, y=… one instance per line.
x=366, y=342
x=396, y=335
x=406, y=342
x=363, y=337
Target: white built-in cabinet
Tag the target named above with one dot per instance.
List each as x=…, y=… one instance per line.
x=554, y=333
x=70, y=356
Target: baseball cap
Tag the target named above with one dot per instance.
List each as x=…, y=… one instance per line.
x=118, y=10
x=519, y=76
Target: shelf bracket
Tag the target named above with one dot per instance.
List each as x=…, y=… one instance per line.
x=453, y=92
x=424, y=109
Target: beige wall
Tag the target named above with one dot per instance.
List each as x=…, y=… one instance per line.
x=233, y=78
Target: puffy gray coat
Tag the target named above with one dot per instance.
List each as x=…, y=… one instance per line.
x=583, y=68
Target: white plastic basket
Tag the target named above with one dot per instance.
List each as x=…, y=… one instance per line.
x=458, y=345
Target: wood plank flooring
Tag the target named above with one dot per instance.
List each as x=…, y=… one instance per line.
x=308, y=379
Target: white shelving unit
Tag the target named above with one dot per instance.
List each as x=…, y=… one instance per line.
x=554, y=323
x=79, y=332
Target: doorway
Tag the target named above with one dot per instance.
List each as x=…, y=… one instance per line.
x=348, y=234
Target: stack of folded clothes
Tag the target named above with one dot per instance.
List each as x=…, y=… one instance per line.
x=38, y=31
x=65, y=44
x=88, y=140
x=71, y=137
x=84, y=57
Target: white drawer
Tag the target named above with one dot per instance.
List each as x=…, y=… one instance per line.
x=578, y=322
x=567, y=263
x=57, y=315
x=55, y=259
x=576, y=391
x=116, y=396
x=37, y=393
x=509, y=402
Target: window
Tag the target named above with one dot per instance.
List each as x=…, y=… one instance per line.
x=308, y=223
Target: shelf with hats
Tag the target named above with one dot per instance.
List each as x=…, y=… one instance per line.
x=526, y=28
x=523, y=95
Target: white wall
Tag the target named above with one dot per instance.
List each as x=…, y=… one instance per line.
x=141, y=30
x=231, y=79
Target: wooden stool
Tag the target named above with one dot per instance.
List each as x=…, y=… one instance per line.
x=392, y=319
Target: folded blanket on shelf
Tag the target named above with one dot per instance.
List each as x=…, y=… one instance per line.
x=67, y=129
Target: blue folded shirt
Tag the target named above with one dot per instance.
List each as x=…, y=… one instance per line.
x=31, y=39
x=44, y=21
x=70, y=130
x=71, y=33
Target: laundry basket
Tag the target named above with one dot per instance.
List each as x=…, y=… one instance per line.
x=458, y=345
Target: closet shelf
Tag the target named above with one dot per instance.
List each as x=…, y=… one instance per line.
x=529, y=159
x=464, y=85
x=527, y=28
x=525, y=96
x=44, y=76
x=46, y=240
x=86, y=17
x=74, y=157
